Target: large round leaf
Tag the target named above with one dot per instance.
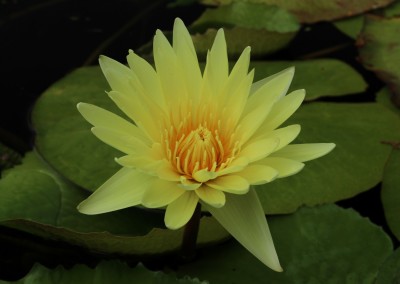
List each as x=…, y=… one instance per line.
x=36, y=200
x=104, y=273
x=390, y=193
x=310, y=11
x=355, y=165
x=324, y=244
x=390, y=270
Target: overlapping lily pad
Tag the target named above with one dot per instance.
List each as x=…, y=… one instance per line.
x=390, y=269
x=380, y=50
x=264, y=28
x=355, y=165
x=390, y=193
x=311, y=11
x=324, y=244
x=103, y=273
x=36, y=200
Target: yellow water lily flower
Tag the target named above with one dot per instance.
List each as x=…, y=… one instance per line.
x=198, y=137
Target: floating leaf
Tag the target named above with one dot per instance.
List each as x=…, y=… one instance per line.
x=390, y=193
x=320, y=77
x=248, y=15
x=311, y=11
x=384, y=97
x=262, y=42
x=380, y=50
x=325, y=244
x=104, y=273
x=34, y=199
x=390, y=269
x=264, y=28
x=354, y=166
x=350, y=26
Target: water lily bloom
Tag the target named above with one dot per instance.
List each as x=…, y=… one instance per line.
x=198, y=137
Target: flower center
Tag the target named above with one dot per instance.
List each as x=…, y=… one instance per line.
x=191, y=148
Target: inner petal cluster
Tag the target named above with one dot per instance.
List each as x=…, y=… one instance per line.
x=191, y=147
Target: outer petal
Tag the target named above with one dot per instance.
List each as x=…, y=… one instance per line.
x=285, y=135
x=103, y=118
x=216, y=70
x=148, y=77
x=124, y=189
x=161, y=193
x=282, y=110
x=117, y=74
x=285, y=167
x=259, y=149
x=187, y=59
x=258, y=174
x=180, y=211
x=304, y=152
x=243, y=217
x=211, y=196
x=122, y=141
x=230, y=183
x=257, y=85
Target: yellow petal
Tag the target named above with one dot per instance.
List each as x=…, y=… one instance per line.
x=258, y=174
x=168, y=70
x=122, y=141
x=285, y=167
x=189, y=184
x=141, y=162
x=304, y=152
x=118, y=75
x=136, y=110
x=259, y=84
x=124, y=189
x=216, y=70
x=148, y=78
x=243, y=217
x=204, y=175
x=167, y=172
x=259, y=149
x=285, y=135
x=161, y=193
x=230, y=183
x=282, y=110
x=187, y=59
x=237, y=165
x=106, y=119
x=238, y=74
x=211, y=196
x=180, y=211
x=271, y=91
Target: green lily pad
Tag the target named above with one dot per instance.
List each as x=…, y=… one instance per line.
x=262, y=42
x=265, y=28
x=390, y=193
x=390, y=269
x=35, y=199
x=350, y=26
x=380, y=50
x=311, y=11
x=104, y=273
x=384, y=97
x=354, y=166
x=325, y=244
x=247, y=15
x=319, y=77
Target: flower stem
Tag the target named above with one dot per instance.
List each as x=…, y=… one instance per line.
x=188, y=247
